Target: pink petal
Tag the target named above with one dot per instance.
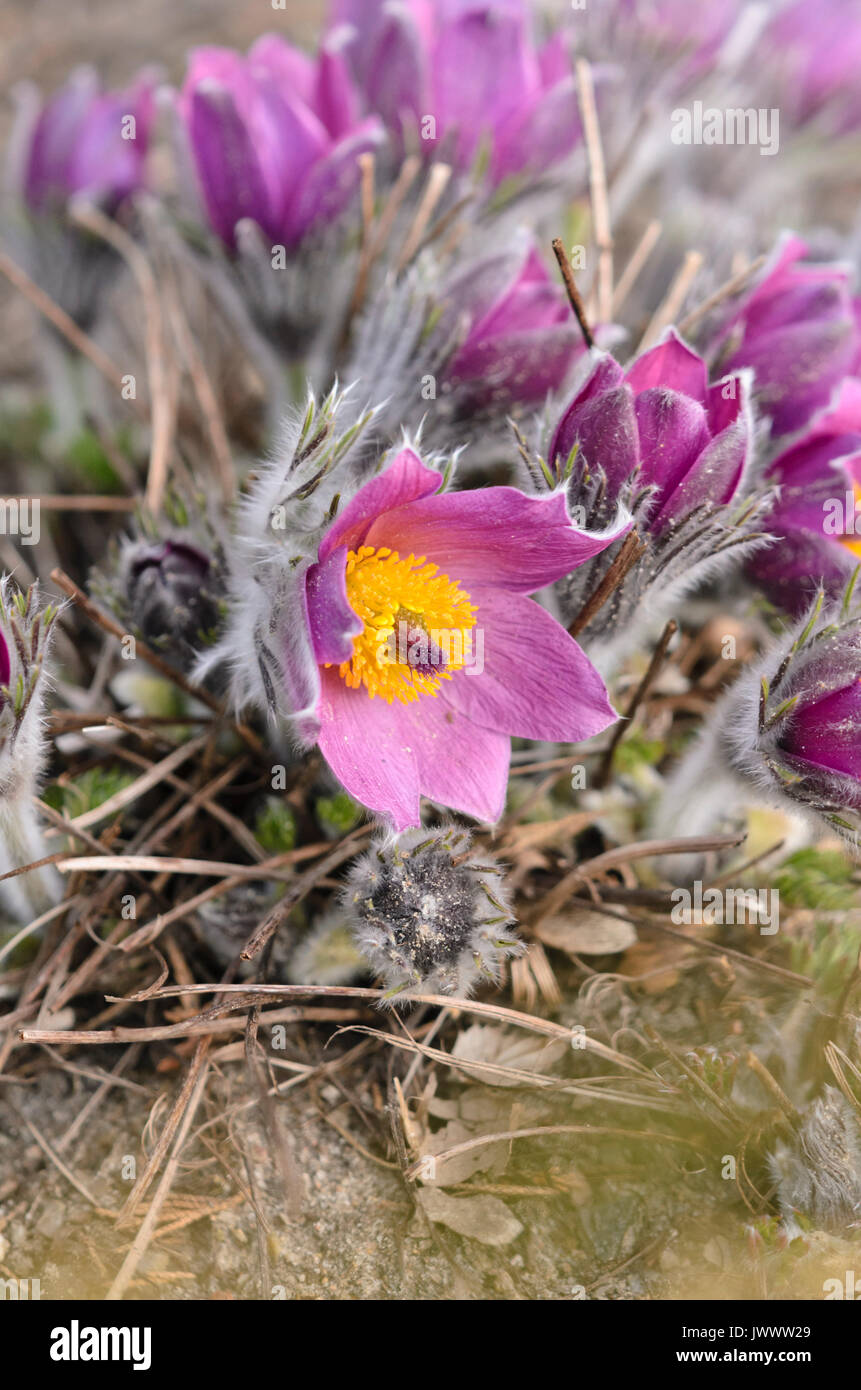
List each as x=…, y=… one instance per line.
x=544, y=130
x=336, y=102
x=673, y=433
x=494, y=535
x=460, y=764
x=672, y=365
x=300, y=673
x=293, y=68
x=333, y=181
x=364, y=745
x=405, y=479
x=536, y=681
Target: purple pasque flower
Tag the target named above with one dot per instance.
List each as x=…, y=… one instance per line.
x=796, y=727
x=817, y=49
x=696, y=31
x=787, y=732
x=816, y=518
x=797, y=328
x=449, y=76
x=274, y=136
x=431, y=654
x=84, y=141
x=5, y=661
x=522, y=339
x=659, y=426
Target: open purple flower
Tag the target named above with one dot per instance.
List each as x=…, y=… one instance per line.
x=274, y=136
x=797, y=329
x=453, y=75
x=86, y=141
x=817, y=516
x=522, y=340
x=421, y=653
x=659, y=425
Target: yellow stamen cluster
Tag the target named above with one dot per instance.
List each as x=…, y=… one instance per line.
x=388, y=593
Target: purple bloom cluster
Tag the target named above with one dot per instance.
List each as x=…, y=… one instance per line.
x=275, y=136
x=522, y=339
x=799, y=330
x=519, y=99
x=660, y=426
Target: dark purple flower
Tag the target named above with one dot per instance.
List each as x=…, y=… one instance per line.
x=87, y=141
x=660, y=425
x=452, y=76
x=5, y=663
x=522, y=339
x=817, y=516
x=274, y=136
x=171, y=594
x=797, y=329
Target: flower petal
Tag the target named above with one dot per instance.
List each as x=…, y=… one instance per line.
x=602, y=421
x=404, y=480
x=543, y=131
x=335, y=98
x=230, y=176
x=332, y=621
x=491, y=47
x=673, y=433
x=333, y=181
x=828, y=731
x=460, y=764
x=797, y=368
x=397, y=69
x=494, y=535
x=365, y=746
x=713, y=477
x=536, y=682
x=790, y=571
x=672, y=365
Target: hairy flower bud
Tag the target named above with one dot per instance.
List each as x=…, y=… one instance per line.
x=168, y=589
x=171, y=594
x=818, y=1171
x=428, y=915
x=787, y=733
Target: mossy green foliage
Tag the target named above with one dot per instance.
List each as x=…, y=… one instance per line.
x=338, y=814
x=816, y=878
x=88, y=790
x=275, y=826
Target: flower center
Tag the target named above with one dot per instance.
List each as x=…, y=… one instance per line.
x=417, y=625
x=853, y=542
